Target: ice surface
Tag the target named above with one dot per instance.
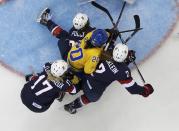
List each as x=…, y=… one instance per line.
x=117, y=110
x=26, y=43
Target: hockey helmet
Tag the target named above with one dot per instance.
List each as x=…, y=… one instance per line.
x=120, y=52
x=58, y=68
x=80, y=20
x=99, y=37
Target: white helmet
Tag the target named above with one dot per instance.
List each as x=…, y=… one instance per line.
x=58, y=68
x=120, y=52
x=80, y=20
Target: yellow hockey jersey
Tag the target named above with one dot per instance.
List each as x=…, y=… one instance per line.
x=86, y=59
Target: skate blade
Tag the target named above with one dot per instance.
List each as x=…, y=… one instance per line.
x=39, y=17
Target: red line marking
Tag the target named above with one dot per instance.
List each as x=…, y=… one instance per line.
x=162, y=41
x=11, y=69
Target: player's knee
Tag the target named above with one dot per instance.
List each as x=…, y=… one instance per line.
x=56, y=31
x=93, y=98
x=85, y=100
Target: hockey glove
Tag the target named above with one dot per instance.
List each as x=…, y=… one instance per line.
x=130, y=57
x=115, y=35
x=30, y=77
x=148, y=89
x=75, y=79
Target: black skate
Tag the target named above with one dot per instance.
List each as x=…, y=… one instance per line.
x=69, y=108
x=61, y=96
x=44, y=16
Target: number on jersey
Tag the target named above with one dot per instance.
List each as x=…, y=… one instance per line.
x=76, y=54
x=101, y=68
x=45, y=83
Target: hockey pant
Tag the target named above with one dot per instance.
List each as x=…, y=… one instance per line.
x=93, y=93
x=90, y=95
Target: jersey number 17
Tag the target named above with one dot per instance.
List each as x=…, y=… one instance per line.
x=45, y=83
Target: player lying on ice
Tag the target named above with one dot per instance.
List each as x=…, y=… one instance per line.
x=81, y=26
x=83, y=56
x=43, y=88
x=108, y=71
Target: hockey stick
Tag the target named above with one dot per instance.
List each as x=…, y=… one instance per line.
x=103, y=9
x=136, y=18
x=130, y=30
x=137, y=26
x=115, y=26
x=107, y=12
x=122, y=10
x=139, y=72
x=85, y=2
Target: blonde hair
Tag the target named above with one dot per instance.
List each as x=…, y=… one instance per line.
x=106, y=55
x=50, y=77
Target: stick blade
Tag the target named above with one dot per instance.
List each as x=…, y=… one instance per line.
x=137, y=21
x=98, y=6
x=95, y=4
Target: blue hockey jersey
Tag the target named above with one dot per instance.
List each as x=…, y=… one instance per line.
x=107, y=72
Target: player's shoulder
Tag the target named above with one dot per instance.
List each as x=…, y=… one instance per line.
x=93, y=51
x=122, y=66
x=71, y=30
x=89, y=29
x=124, y=70
x=88, y=35
x=62, y=84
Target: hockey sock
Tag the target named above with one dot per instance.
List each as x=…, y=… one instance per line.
x=80, y=101
x=54, y=28
x=71, y=90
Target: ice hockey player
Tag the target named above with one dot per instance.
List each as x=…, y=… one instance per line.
x=85, y=56
x=42, y=89
x=81, y=26
x=107, y=72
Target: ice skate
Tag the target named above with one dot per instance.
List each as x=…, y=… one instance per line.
x=61, y=96
x=69, y=108
x=44, y=16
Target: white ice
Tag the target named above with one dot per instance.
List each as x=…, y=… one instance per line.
x=117, y=110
